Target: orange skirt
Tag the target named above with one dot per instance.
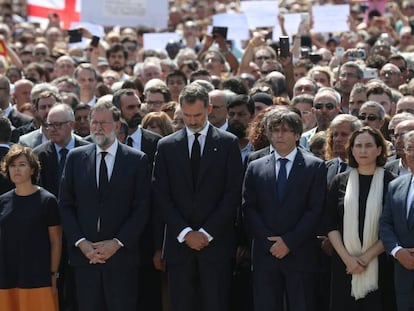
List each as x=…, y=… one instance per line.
x=23, y=299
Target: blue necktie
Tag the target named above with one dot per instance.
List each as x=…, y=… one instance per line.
x=63, y=152
x=282, y=178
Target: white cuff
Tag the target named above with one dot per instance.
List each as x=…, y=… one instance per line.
x=395, y=250
x=79, y=242
x=209, y=237
x=119, y=242
x=182, y=234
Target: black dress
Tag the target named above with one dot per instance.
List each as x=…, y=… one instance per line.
x=341, y=299
x=25, y=248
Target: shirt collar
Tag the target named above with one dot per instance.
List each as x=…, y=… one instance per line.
x=111, y=150
x=291, y=156
x=69, y=146
x=136, y=135
x=7, y=111
x=203, y=132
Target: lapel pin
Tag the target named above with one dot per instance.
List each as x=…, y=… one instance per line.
x=214, y=149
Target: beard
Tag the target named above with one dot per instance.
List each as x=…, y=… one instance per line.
x=117, y=67
x=134, y=121
x=103, y=140
x=237, y=128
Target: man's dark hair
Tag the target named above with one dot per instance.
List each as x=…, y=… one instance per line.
x=116, y=99
x=193, y=92
x=5, y=130
x=117, y=47
x=234, y=84
x=159, y=88
x=176, y=73
x=302, y=98
x=199, y=72
x=276, y=117
x=378, y=88
x=240, y=100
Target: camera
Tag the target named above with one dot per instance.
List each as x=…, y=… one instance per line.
x=358, y=54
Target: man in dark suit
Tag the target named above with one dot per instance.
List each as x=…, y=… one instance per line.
x=104, y=197
x=16, y=118
x=5, y=131
x=282, y=214
x=399, y=166
x=151, y=240
x=52, y=154
x=397, y=229
x=197, y=182
x=130, y=106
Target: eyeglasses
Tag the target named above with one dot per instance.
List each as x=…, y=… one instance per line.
x=263, y=57
x=320, y=106
x=155, y=103
x=212, y=59
x=40, y=53
x=55, y=125
x=95, y=123
x=370, y=117
x=348, y=75
x=131, y=47
x=388, y=73
x=409, y=150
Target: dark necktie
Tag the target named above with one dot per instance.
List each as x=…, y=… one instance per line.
x=342, y=167
x=63, y=152
x=282, y=178
x=103, y=175
x=130, y=141
x=195, y=157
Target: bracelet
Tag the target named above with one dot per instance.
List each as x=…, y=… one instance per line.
x=55, y=274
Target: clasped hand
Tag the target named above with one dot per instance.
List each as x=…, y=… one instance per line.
x=279, y=249
x=100, y=251
x=196, y=240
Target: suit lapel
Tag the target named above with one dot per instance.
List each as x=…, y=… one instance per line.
x=182, y=150
x=270, y=176
x=54, y=163
x=90, y=166
x=211, y=147
x=296, y=173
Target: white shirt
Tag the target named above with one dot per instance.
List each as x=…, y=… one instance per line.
x=201, y=138
x=291, y=157
x=136, y=138
x=202, y=141
x=109, y=159
x=69, y=146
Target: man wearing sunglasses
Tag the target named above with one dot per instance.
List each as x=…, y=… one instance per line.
x=326, y=107
x=372, y=114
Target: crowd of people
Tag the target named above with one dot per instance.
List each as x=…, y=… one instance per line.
x=209, y=175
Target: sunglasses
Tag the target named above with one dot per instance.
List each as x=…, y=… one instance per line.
x=320, y=106
x=369, y=117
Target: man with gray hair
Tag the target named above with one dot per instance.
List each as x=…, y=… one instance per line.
x=372, y=114
x=326, y=106
x=43, y=96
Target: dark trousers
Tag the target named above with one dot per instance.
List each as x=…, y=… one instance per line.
x=199, y=285
x=272, y=281
x=106, y=289
x=149, y=288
